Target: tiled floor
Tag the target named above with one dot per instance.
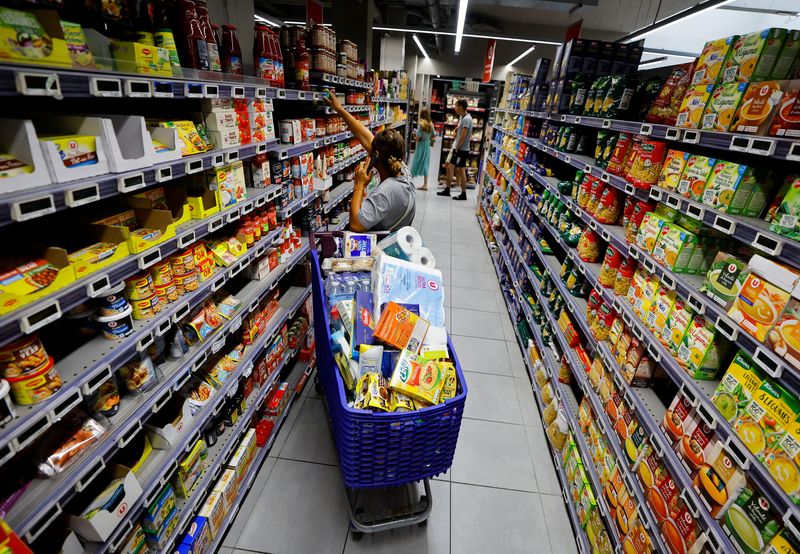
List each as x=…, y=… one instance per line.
x=501, y=494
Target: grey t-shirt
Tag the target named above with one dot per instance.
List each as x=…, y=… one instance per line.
x=464, y=123
x=388, y=202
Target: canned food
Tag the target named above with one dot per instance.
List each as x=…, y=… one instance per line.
x=139, y=374
x=116, y=326
x=146, y=307
x=113, y=302
x=182, y=262
x=22, y=356
x=139, y=286
x=167, y=293
x=37, y=386
x=187, y=282
x=161, y=273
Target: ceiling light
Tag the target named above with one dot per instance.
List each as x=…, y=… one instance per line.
x=675, y=18
x=462, y=17
x=304, y=23
x=653, y=60
x=525, y=53
x=467, y=35
x=421, y=49
x=262, y=19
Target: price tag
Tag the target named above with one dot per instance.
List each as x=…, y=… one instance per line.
x=768, y=362
x=794, y=152
x=79, y=196
x=280, y=94
x=769, y=244
x=691, y=136
x=218, y=160
x=646, y=129
x=98, y=285
x=161, y=89
x=231, y=156
x=672, y=133
x=739, y=143
x=38, y=84
x=762, y=146
x=237, y=92
x=724, y=224
x=673, y=201
x=695, y=211
x=131, y=182
x=193, y=90
x=33, y=208
x=606, y=124
x=261, y=92
x=105, y=87
x=164, y=174
x=194, y=166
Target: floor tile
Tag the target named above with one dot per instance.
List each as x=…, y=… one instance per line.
x=476, y=324
x=310, y=440
x=474, y=299
x=286, y=427
x=493, y=454
x=433, y=538
x=492, y=398
x=479, y=263
x=493, y=520
x=239, y=522
x=470, y=279
x=297, y=497
x=559, y=529
x=527, y=402
x=517, y=364
x=509, y=332
x=546, y=477
x=482, y=355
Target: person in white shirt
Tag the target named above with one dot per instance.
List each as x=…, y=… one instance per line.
x=460, y=150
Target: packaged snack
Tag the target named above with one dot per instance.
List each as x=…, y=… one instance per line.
x=673, y=167
x=666, y=106
x=611, y=264
x=402, y=403
x=419, y=378
x=589, y=246
x=84, y=436
x=692, y=183
x=786, y=119
x=708, y=70
x=693, y=105
x=191, y=142
x=401, y=328
x=757, y=106
x=646, y=167
x=610, y=205
x=721, y=107
x=139, y=374
x=786, y=220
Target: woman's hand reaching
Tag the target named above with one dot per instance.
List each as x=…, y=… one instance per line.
x=329, y=96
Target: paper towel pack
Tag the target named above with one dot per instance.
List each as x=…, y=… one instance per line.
x=396, y=280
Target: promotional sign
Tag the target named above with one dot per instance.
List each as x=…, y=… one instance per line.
x=488, y=60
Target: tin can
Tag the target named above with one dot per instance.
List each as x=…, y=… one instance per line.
x=182, y=262
x=161, y=273
x=26, y=355
x=146, y=307
x=113, y=302
x=187, y=282
x=167, y=293
x=139, y=286
x=37, y=386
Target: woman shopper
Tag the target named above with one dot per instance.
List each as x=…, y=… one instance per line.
x=422, y=153
x=392, y=203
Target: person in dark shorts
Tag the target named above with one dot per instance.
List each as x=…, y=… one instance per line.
x=458, y=156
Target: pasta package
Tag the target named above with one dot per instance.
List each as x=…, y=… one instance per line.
x=666, y=106
x=646, y=168
x=589, y=246
x=610, y=205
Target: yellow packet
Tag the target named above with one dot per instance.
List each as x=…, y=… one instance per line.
x=418, y=377
x=450, y=381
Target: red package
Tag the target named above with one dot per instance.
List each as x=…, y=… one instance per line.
x=263, y=431
x=646, y=168
x=665, y=107
x=276, y=400
x=616, y=164
x=636, y=218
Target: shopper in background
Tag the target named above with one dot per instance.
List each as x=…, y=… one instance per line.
x=392, y=203
x=457, y=160
x=422, y=153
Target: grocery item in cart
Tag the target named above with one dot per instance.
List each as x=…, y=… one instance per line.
x=418, y=377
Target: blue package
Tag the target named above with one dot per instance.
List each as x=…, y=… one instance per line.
x=198, y=535
x=342, y=286
x=389, y=362
x=395, y=280
x=363, y=322
x=359, y=245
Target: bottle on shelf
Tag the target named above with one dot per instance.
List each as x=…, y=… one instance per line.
x=301, y=64
x=231, y=51
x=192, y=46
x=277, y=55
x=262, y=53
x=162, y=32
x=208, y=33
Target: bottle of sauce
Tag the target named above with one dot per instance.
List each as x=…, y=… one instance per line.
x=208, y=34
x=192, y=46
x=277, y=57
x=231, y=52
x=262, y=58
x=163, y=36
x=301, y=64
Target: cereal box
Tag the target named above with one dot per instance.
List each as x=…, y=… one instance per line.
x=786, y=221
x=786, y=119
x=753, y=56
x=693, y=181
x=674, y=247
x=419, y=378
x=725, y=279
x=737, y=387
x=700, y=350
x=711, y=61
x=721, y=107
x=787, y=56
x=765, y=420
x=677, y=322
x=757, y=106
x=672, y=169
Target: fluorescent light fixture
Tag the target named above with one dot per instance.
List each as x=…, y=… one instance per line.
x=462, y=17
x=679, y=17
x=466, y=35
x=421, y=49
x=653, y=60
x=525, y=53
x=303, y=23
x=262, y=19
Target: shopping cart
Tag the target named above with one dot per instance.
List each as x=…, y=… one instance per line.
x=383, y=456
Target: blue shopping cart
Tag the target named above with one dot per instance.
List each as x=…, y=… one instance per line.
x=391, y=451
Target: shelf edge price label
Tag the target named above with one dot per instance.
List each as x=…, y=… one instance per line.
x=38, y=84
x=210, y=91
x=105, y=87
x=33, y=208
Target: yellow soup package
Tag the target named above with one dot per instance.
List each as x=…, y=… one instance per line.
x=693, y=105
x=674, y=247
x=672, y=169
x=714, y=56
x=721, y=107
x=693, y=181
x=753, y=56
x=418, y=377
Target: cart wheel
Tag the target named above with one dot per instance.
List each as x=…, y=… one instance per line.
x=357, y=535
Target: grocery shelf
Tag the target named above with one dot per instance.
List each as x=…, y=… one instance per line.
x=344, y=219
x=34, y=315
x=54, y=492
x=338, y=194
x=298, y=204
x=157, y=471
x=344, y=164
x=328, y=79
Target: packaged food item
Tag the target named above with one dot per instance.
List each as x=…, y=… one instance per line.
x=753, y=56
x=190, y=139
x=418, y=377
x=757, y=106
x=721, y=107
x=650, y=231
x=646, y=166
x=25, y=355
x=786, y=220
x=610, y=206
x=674, y=247
x=737, y=386
x=764, y=421
x=612, y=260
x=117, y=326
x=189, y=470
x=692, y=183
x=677, y=322
x=589, y=246
x=701, y=351
x=751, y=520
x=372, y=393
x=713, y=58
x=139, y=286
x=401, y=328
x=677, y=418
x=725, y=279
x=84, y=436
x=105, y=399
x=674, y=164
x=36, y=385
x=139, y=374
x=693, y=106
x=786, y=119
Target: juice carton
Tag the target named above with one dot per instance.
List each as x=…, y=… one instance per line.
x=700, y=350
x=693, y=181
x=721, y=107
x=757, y=106
x=711, y=61
x=753, y=56
x=693, y=105
x=737, y=387
x=673, y=167
x=417, y=377
x=401, y=328
x=784, y=337
x=786, y=221
x=786, y=119
x=782, y=461
x=787, y=56
x=767, y=418
x=725, y=279
x=751, y=520
x=677, y=322
x=719, y=479
x=674, y=247
x=649, y=231
x=763, y=297
x=656, y=318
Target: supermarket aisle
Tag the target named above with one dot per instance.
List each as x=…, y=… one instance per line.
x=501, y=494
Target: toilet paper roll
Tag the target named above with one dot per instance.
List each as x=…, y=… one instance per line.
x=423, y=257
x=402, y=244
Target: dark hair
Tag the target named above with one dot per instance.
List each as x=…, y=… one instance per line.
x=391, y=149
x=461, y=102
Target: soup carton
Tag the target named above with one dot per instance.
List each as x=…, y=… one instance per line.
x=674, y=247
x=783, y=461
x=719, y=479
x=763, y=297
x=787, y=56
x=696, y=444
x=753, y=56
x=784, y=337
x=751, y=520
x=786, y=221
x=721, y=107
x=693, y=181
x=757, y=106
x=737, y=387
x=700, y=351
x=785, y=542
x=656, y=318
x=673, y=167
x=725, y=279
x=786, y=119
x=713, y=58
x=693, y=105
x=649, y=231
x=677, y=322
x=677, y=419
x=767, y=418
